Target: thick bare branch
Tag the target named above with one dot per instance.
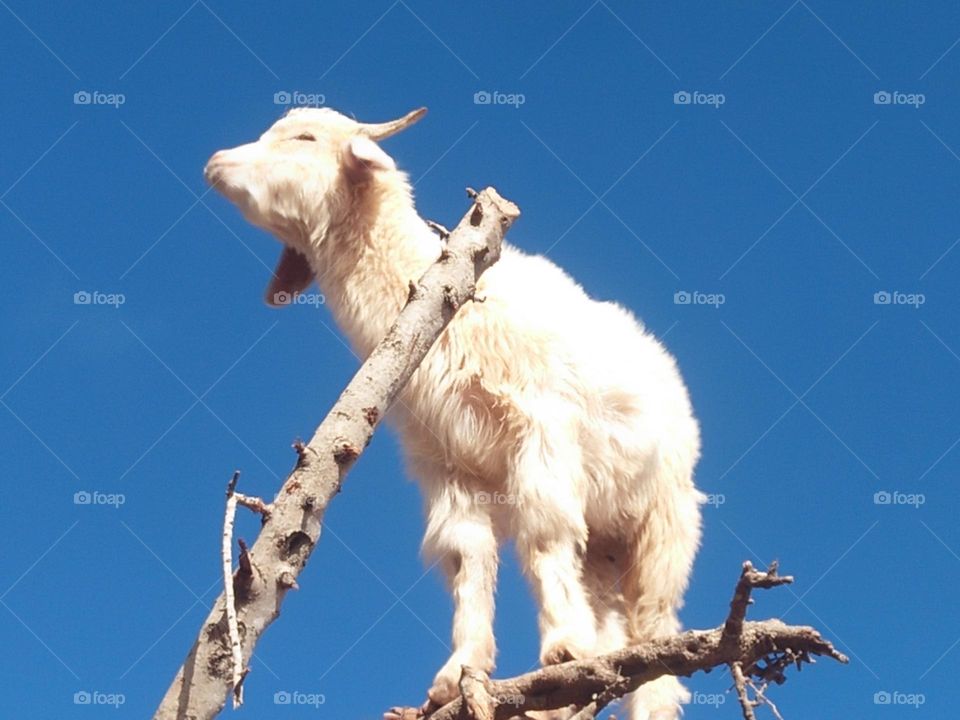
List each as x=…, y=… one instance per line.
x=592, y=684
x=292, y=527
x=576, y=683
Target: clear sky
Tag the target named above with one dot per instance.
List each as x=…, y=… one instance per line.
x=787, y=199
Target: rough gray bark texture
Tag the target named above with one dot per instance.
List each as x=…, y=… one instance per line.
x=292, y=527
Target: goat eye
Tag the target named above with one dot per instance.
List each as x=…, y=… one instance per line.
x=305, y=136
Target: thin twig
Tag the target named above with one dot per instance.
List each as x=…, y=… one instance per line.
x=740, y=684
x=255, y=504
x=438, y=229
x=761, y=698
x=236, y=649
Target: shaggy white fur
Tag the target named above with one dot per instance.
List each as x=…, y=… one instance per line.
x=540, y=414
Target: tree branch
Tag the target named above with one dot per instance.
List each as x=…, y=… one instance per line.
x=740, y=684
x=749, y=579
x=292, y=526
x=233, y=630
x=590, y=685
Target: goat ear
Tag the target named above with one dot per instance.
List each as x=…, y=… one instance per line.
x=362, y=157
x=292, y=275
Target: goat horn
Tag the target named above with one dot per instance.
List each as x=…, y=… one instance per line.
x=379, y=131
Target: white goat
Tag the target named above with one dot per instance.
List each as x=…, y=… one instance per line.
x=540, y=414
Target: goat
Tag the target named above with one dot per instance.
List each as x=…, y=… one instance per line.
x=540, y=415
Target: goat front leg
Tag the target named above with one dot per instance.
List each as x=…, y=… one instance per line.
x=460, y=536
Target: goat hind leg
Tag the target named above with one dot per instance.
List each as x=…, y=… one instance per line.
x=662, y=556
x=551, y=536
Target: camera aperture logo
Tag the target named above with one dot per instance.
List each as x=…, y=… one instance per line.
x=283, y=298
x=297, y=98
x=95, y=297
x=914, y=500
x=95, y=497
x=485, y=97
x=695, y=297
x=98, y=698
x=298, y=698
x=497, y=498
x=95, y=97
x=884, y=97
x=895, y=297
x=896, y=697
x=686, y=97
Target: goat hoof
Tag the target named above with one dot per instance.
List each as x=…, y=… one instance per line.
x=556, y=655
x=444, y=690
x=563, y=648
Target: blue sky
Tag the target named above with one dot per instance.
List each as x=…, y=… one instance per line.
x=812, y=224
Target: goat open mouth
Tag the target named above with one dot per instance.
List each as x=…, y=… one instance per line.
x=292, y=275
